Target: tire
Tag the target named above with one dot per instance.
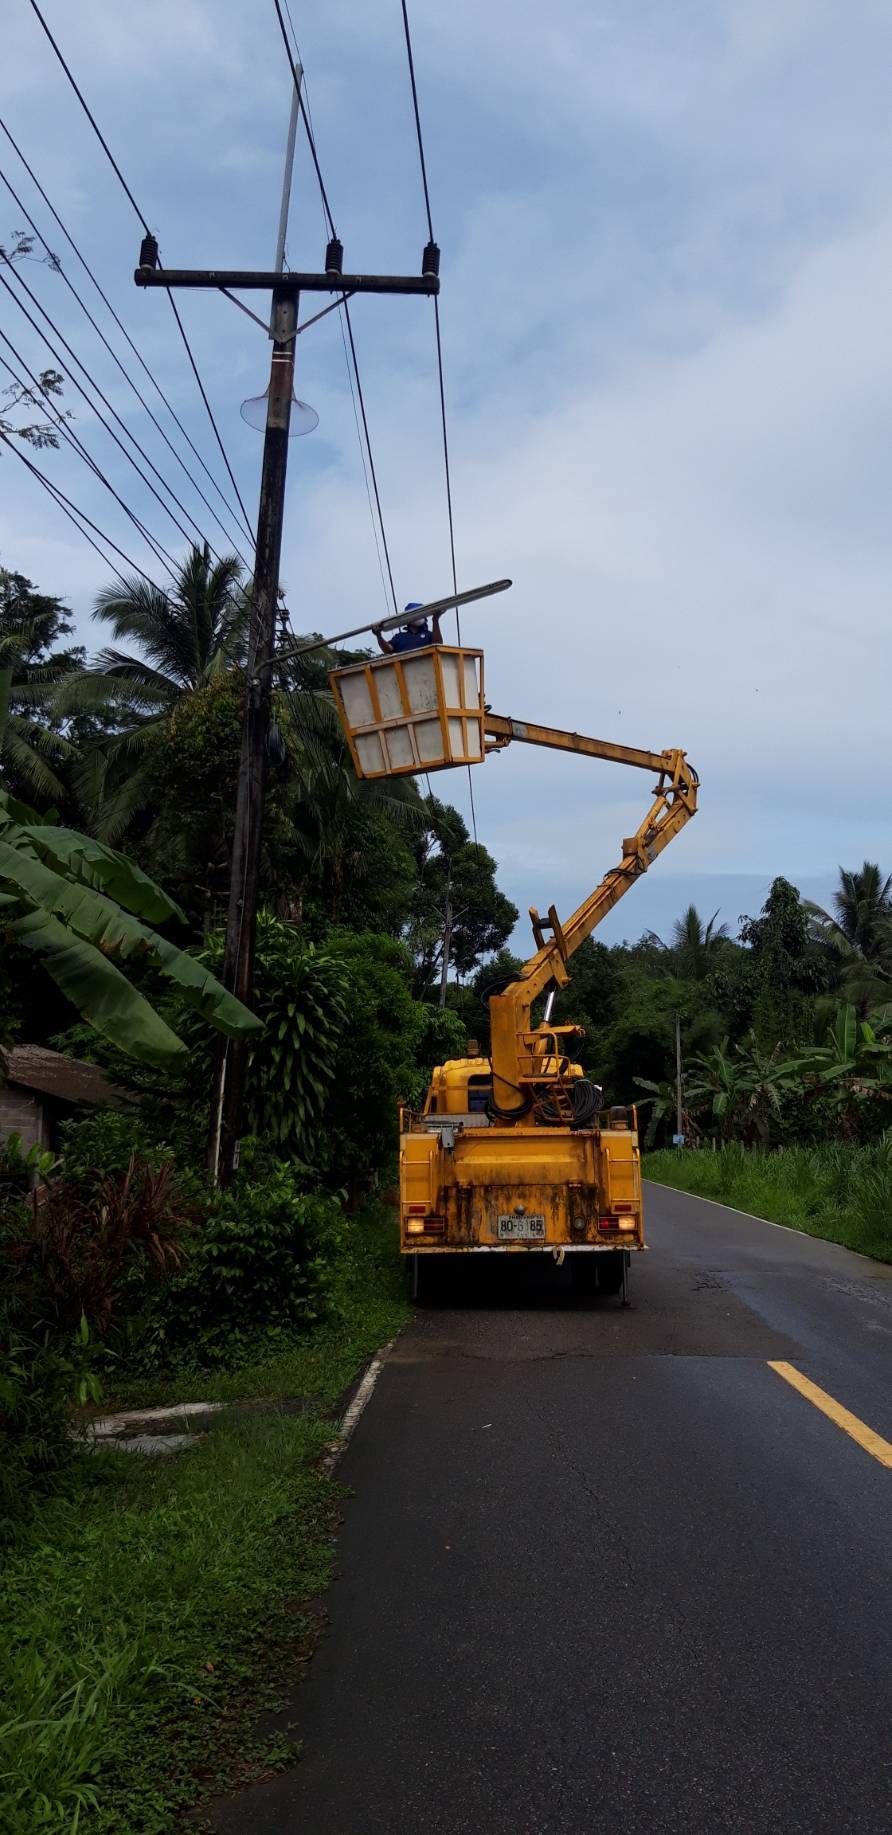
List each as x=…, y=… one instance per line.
x=423, y=1281
x=584, y=1273
x=610, y=1272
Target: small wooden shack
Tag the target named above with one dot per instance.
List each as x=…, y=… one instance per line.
x=40, y=1088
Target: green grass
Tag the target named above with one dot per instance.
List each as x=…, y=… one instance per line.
x=154, y=1612
x=837, y=1190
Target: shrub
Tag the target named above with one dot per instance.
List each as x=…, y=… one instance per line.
x=264, y=1260
x=36, y=1390
x=81, y=1255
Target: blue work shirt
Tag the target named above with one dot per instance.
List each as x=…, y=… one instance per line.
x=412, y=640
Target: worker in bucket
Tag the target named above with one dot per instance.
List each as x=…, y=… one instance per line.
x=415, y=634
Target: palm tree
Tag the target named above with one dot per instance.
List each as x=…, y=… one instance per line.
x=857, y=937
x=695, y=944
x=31, y=748
x=185, y=637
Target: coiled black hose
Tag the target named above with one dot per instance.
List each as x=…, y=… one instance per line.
x=587, y=1100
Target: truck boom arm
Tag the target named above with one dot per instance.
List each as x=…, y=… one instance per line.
x=675, y=801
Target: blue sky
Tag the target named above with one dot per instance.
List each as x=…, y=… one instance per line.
x=667, y=268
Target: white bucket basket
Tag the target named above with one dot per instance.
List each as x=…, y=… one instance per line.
x=421, y=710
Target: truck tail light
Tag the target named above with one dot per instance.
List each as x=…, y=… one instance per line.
x=607, y=1223
x=425, y=1226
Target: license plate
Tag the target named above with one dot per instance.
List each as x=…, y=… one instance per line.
x=530, y=1228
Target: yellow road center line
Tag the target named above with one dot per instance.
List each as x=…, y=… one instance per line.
x=872, y=1443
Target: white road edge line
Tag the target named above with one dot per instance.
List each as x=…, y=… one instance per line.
x=789, y=1227
x=361, y=1399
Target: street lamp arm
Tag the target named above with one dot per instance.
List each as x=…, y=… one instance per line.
x=433, y=609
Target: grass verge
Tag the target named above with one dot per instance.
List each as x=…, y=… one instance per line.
x=839, y=1191
x=155, y=1612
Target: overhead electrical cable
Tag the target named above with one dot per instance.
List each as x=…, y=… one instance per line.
x=142, y=219
x=92, y=405
x=73, y=512
x=48, y=408
x=59, y=269
x=309, y=132
x=441, y=383
x=369, y=469
x=367, y=463
x=134, y=347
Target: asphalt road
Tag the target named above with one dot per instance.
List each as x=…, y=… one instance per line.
x=606, y=1570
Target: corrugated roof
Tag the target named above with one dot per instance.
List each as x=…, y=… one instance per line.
x=34, y=1067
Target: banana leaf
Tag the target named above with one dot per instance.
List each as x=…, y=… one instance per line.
x=118, y=935
x=98, y=990
x=103, y=868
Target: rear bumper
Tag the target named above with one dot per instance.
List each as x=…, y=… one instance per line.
x=559, y=1250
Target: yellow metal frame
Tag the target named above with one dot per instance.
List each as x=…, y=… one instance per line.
x=410, y=717
x=675, y=802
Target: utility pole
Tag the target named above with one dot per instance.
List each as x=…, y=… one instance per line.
x=241, y=920
x=238, y=966
x=679, y=1122
x=244, y=878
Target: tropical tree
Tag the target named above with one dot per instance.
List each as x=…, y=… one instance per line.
x=31, y=624
x=86, y=914
x=853, y=1064
x=662, y=1100
x=786, y=967
x=459, y=916
x=695, y=945
x=185, y=638
x=741, y=1088
x=856, y=938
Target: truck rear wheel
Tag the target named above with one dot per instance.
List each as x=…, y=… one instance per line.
x=591, y=1274
x=610, y=1272
x=422, y=1278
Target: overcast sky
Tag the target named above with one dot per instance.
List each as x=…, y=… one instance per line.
x=667, y=281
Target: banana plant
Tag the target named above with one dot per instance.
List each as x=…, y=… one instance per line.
x=855, y=1059
x=88, y=915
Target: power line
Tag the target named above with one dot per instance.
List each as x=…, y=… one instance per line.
x=368, y=468
x=91, y=118
x=92, y=405
x=441, y=383
x=58, y=268
x=72, y=512
x=309, y=132
x=427, y=200
x=48, y=407
x=141, y=218
x=203, y=393
x=305, y=105
x=372, y=469
x=125, y=334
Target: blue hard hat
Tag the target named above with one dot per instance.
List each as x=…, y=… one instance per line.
x=414, y=605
